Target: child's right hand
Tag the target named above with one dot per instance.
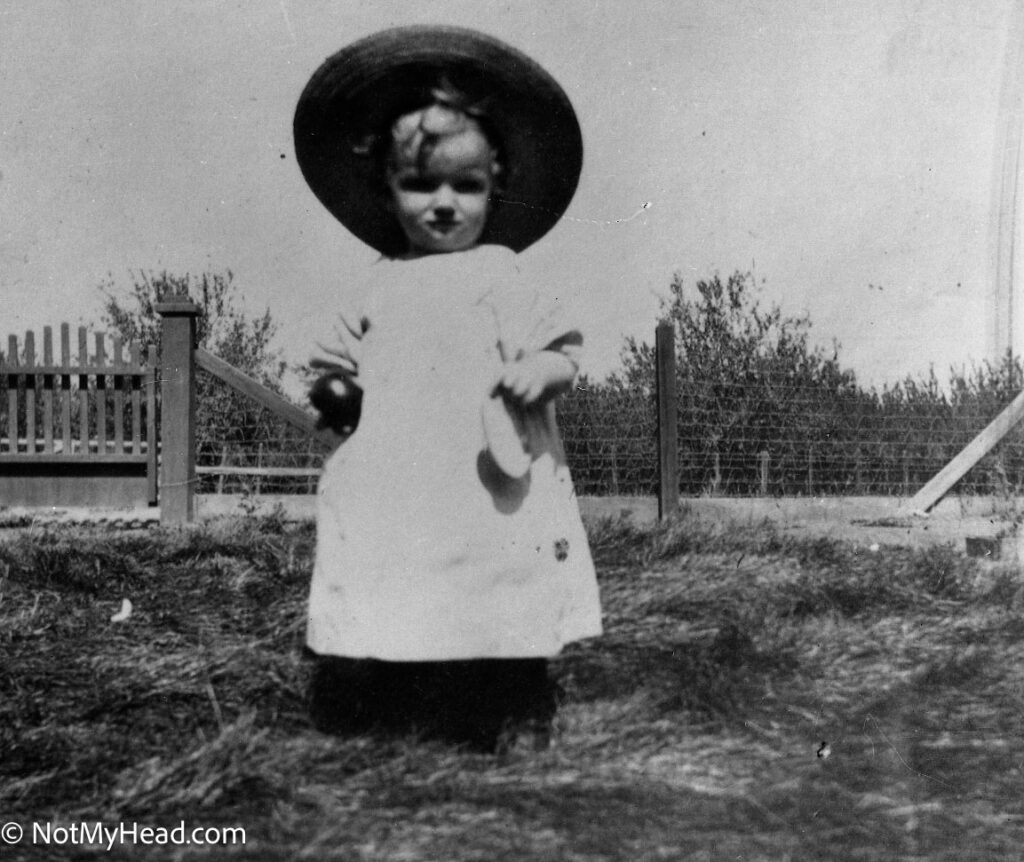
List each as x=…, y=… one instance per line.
x=335, y=394
x=537, y=377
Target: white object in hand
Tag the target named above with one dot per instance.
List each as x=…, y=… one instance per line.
x=505, y=434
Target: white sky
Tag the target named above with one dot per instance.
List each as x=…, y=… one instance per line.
x=842, y=149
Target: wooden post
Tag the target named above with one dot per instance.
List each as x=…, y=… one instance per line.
x=972, y=453
x=763, y=458
x=101, y=395
x=152, y=465
x=65, y=388
x=30, y=392
x=223, y=463
x=12, y=395
x=668, y=435
x=83, y=392
x=118, y=396
x=135, y=382
x=177, y=409
x=48, y=391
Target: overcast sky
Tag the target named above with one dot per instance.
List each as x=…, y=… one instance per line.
x=843, y=151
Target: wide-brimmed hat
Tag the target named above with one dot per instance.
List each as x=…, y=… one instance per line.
x=357, y=93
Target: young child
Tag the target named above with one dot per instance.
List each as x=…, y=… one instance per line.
x=451, y=560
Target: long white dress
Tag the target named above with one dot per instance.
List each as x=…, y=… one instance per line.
x=425, y=549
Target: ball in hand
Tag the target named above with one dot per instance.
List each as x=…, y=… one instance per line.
x=338, y=399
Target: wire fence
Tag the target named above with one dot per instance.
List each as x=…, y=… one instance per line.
x=611, y=442
x=730, y=446
x=875, y=446
x=745, y=438
x=243, y=447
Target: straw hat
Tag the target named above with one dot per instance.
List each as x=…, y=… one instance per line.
x=356, y=94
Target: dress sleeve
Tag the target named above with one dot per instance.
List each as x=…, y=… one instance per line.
x=557, y=331
x=337, y=343
x=531, y=317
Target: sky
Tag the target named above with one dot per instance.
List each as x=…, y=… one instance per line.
x=843, y=151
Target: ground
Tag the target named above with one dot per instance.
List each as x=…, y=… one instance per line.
x=858, y=520
x=762, y=691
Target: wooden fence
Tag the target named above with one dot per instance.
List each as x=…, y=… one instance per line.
x=181, y=360
x=81, y=429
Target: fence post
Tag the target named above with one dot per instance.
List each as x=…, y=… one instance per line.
x=615, y=470
x=177, y=408
x=668, y=435
x=763, y=458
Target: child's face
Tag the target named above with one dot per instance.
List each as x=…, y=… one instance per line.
x=443, y=207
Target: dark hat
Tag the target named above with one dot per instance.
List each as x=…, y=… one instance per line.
x=357, y=94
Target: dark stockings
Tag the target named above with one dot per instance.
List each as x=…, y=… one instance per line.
x=475, y=702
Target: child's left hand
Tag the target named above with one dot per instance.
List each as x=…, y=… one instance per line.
x=537, y=377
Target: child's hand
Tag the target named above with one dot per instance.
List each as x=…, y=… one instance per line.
x=537, y=377
x=343, y=355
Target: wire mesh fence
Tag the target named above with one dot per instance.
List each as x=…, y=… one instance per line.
x=610, y=438
x=243, y=447
x=767, y=436
x=871, y=446
x=767, y=439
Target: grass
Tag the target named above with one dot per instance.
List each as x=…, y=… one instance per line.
x=754, y=697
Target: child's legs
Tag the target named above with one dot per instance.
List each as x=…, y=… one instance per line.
x=343, y=695
x=481, y=698
x=358, y=695
x=469, y=701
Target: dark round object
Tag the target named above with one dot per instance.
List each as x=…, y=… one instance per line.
x=355, y=96
x=339, y=400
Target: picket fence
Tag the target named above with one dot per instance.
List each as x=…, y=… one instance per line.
x=116, y=427
x=78, y=430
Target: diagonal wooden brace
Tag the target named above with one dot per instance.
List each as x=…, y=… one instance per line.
x=940, y=484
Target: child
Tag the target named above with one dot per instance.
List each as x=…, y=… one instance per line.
x=451, y=560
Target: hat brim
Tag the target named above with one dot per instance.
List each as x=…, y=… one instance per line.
x=359, y=91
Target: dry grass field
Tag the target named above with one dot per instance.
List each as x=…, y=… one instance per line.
x=756, y=696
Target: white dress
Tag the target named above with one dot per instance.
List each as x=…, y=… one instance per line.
x=425, y=549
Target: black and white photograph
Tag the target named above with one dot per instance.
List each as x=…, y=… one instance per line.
x=456, y=430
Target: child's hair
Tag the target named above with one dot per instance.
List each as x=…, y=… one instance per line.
x=412, y=137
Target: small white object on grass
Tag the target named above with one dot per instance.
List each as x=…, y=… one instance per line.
x=124, y=613
x=874, y=548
